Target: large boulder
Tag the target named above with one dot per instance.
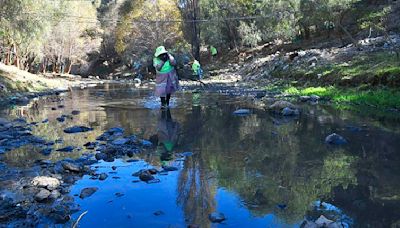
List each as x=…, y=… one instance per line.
x=46, y=182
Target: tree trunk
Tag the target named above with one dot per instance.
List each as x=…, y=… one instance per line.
x=196, y=31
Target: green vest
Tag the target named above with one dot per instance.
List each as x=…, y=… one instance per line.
x=213, y=50
x=166, y=68
x=195, y=66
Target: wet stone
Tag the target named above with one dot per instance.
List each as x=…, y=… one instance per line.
x=158, y=213
x=77, y=129
x=42, y=195
x=216, y=217
x=145, y=176
x=66, y=149
x=75, y=112
x=100, y=156
x=46, y=151
x=103, y=176
x=242, y=112
x=290, y=112
x=335, y=139
x=86, y=192
x=120, y=141
x=60, y=119
x=170, y=168
x=71, y=167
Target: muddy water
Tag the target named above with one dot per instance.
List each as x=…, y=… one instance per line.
x=259, y=170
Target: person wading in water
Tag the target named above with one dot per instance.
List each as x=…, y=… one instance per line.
x=167, y=79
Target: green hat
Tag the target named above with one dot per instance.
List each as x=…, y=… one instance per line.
x=160, y=50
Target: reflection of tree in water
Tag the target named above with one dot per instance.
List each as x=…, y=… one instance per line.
x=196, y=188
x=196, y=192
x=291, y=166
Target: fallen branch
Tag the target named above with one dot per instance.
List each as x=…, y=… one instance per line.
x=79, y=219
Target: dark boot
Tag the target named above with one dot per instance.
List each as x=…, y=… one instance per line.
x=163, y=102
x=168, y=98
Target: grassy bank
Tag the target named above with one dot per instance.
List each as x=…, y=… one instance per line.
x=385, y=98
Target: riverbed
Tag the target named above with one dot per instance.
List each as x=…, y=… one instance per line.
x=258, y=169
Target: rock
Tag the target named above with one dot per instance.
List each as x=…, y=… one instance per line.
x=120, y=141
x=66, y=149
x=154, y=181
x=103, y=176
x=75, y=112
x=77, y=129
x=314, y=98
x=242, y=112
x=46, y=151
x=290, y=112
x=279, y=105
x=145, y=176
x=115, y=130
x=308, y=224
x=216, y=217
x=304, y=98
x=71, y=167
x=158, y=213
x=53, y=108
x=90, y=145
x=169, y=168
x=86, y=192
x=335, y=139
x=119, y=194
x=60, y=106
x=55, y=194
x=100, y=156
x=187, y=154
x=60, y=119
x=42, y=195
x=146, y=143
x=323, y=222
x=46, y=182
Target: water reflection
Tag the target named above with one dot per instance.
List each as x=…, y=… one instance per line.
x=260, y=170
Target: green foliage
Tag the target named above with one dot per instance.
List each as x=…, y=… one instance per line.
x=383, y=98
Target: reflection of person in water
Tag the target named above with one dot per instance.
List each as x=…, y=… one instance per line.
x=168, y=133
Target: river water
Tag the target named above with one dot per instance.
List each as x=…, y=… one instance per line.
x=259, y=170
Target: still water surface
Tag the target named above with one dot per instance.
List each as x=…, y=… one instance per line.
x=259, y=170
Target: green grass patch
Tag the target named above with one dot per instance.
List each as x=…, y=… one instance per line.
x=384, y=98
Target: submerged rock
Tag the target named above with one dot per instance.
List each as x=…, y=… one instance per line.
x=86, y=192
x=77, y=129
x=242, y=112
x=144, y=175
x=103, y=176
x=75, y=112
x=66, y=149
x=216, y=217
x=60, y=119
x=46, y=182
x=170, y=168
x=335, y=139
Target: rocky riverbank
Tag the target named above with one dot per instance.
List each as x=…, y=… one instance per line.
x=39, y=193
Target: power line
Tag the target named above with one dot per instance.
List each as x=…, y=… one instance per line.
x=82, y=19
